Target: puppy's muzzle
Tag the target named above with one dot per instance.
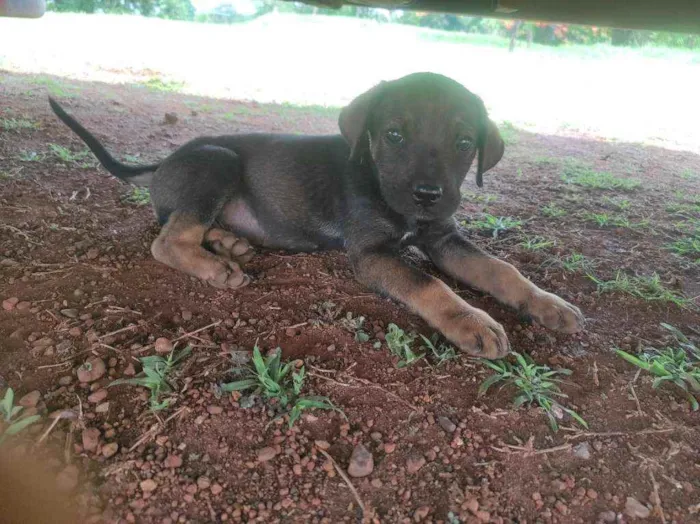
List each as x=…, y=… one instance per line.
x=426, y=195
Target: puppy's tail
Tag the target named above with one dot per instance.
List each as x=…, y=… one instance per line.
x=138, y=175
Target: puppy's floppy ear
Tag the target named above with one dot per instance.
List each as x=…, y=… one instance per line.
x=353, y=120
x=491, y=149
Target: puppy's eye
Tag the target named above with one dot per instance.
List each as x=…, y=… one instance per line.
x=464, y=144
x=394, y=136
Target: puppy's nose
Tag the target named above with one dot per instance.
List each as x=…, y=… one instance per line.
x=426, y=195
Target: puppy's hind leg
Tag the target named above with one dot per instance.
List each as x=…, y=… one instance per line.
x=188, y=193
x=179, y=245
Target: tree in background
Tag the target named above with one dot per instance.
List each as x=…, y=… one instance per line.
x=172, y=9
x=544, y=33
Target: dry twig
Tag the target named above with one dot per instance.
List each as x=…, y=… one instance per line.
x=345, y=478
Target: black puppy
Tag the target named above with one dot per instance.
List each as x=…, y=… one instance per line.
x=393, y=178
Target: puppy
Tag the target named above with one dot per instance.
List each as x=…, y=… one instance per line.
x=392, y=179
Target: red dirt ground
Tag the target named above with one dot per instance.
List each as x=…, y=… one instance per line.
x=76, y=255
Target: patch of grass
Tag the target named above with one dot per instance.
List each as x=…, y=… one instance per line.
x=17, y=124
x=688, y=174
x=546, y=161
x=494, y=225
x=581, y=175
x=605, y=220
x=69, y=157
x=686, y=247
x=534, y=384
x=355, y=326
x=131, y=159
x=138, y=196
x=486, y=198
x=156, y=377
x=237, y=111
x=327, y=312
x=278, y=383
x=400, y=345
x=571, y=263
x=536, y=243
x=621, y=204
x=683, y=208
x=508, y=132
x=289, y=109
x=157, y=83
x=11, y=422
x=30, y=156
x=552, y=211
x=441, y=352
x=648, y=288
x=602, y=219
x=678, y=364
x=55, y=88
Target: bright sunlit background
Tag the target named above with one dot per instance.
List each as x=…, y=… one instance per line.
x=643, y=93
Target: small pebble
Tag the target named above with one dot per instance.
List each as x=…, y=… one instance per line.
x=91, y=439
x=266, y=454
x=414, y=463
x=635, y=509
x=582, y=450
x=30, y=400
x=203, y=482
x=109, y=450
x=447, y=424
x=92, y=370
x=172, y=461
x=70, y=313
x=163, y=346
x=148, y=485
x=98, y=396
x=9, y=303
x=361, y=462
x=322, y=444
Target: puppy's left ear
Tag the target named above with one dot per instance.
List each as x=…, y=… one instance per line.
x=354, y=121
x=491, y=149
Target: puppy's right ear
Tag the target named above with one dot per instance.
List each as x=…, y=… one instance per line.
x=354, y=120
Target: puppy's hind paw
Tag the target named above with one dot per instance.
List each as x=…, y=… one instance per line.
x=229, y=277
x=228, y=245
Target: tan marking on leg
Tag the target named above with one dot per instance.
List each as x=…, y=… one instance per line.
x=179, y=245
x=505, y=283
x=469, y=328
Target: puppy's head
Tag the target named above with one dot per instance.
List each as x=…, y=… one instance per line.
x=420, y=134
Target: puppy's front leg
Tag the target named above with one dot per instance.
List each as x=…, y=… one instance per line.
x=461, y=259
x=471, y=329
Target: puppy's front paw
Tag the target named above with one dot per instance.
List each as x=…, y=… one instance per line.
x=555, y=313
x=477, y=334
